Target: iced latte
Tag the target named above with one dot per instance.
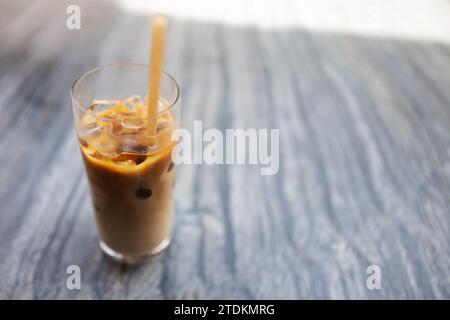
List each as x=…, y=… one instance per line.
x=129, y=169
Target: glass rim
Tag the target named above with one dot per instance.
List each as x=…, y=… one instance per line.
x=121, y=64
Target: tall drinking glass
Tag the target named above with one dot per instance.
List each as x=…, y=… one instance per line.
x=127, y=156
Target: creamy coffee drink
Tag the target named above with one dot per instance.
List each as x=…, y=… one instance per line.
x=131, y=175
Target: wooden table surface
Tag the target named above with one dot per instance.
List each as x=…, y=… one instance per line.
x=364, y=173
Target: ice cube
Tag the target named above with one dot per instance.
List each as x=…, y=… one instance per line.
x=88, y=118
x=126, y=162
x=95, y=154
x=89, y=131
x=128, y=104
x=102, y=105
x=134, y=150
x=127, y=127
x=149, y=142
x=133, y=124
x=132, y=102
x=124, y=115
x=162, y=125
x=129, y=159
x=108, y=148
x=83, y=142
x=134, y=147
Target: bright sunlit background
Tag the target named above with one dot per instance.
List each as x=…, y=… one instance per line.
x=409, y=19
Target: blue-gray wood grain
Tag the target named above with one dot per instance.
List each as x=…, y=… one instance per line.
x=364, y=173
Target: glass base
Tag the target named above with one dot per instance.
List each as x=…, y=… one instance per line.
x=134, y=259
